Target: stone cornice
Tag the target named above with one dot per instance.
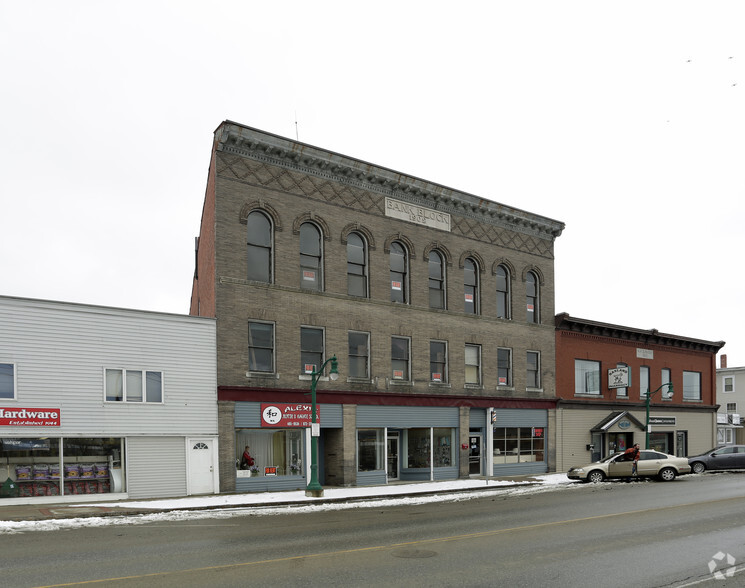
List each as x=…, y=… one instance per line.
x=231, y=137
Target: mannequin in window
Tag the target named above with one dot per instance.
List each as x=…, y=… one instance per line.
x=246, y=460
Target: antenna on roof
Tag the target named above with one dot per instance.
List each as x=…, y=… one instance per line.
x=297, y=138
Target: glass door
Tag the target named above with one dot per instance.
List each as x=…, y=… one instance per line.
x=474, y=454
x=392, y=449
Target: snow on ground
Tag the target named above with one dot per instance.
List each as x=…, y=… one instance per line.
x=260, y=503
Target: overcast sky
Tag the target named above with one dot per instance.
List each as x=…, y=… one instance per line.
x=624, y=120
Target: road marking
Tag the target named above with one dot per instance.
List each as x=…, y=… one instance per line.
x=395, y=545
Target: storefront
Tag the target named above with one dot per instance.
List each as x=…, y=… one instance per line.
x=100, y=403
x=391, y=444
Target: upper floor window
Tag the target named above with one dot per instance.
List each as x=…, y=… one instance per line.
x=729, y=384
x=7, y=381
x=691, y=386
x=586, y=376
x=531, y=294
x=436, y=280
x=261, y=347
x=643, y=380
x=471, y=286
x=665, y=377
x=438, y=361
x=503, y=292
x=259, y=244
x=504, y=367
x=311, y=266
x=623, y=392
x=356, y=266
x=400, y=363
x=359, y=355
x=399, y=273
x=311, y=349
x=134, y=386
x=732, y=407
x=473, y=365
x=533, y=376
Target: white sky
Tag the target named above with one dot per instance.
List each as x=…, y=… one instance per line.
x=624, y=120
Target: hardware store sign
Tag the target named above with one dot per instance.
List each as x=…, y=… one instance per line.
x=29, y=417
x=288, y=415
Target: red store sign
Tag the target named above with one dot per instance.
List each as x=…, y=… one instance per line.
x=288, y=415
x=29, y=417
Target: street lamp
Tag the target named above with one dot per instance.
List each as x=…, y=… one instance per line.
x=649, y=396
x=314, y=488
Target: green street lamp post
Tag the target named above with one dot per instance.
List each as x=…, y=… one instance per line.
x=649, y=396
x=314, y=487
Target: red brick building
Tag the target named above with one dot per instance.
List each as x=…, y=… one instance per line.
x=596, y=416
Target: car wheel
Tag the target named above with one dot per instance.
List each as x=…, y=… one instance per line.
x=595, y=476
x=698, y=468
x=667, y=475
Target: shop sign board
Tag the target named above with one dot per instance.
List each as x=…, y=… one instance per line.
x=29, y=417
x=288, y=415
x=665, y=421
x=618, y=377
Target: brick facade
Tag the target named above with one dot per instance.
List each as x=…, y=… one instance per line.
x=292, y=183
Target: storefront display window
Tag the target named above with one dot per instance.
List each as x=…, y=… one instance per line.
x=518, y=444
x=443, y=454
x=83, y=466
x=275, y=451
x=369, y=450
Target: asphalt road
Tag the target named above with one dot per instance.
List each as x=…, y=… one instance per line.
x=609, y=534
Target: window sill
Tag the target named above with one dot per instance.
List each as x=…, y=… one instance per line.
x=400, y=382
x=473, y=387
x=534, y=390
x=439, y=385
x=262, y=376
x=598, y=395
x=359, y=381
x=505, y=388
x=309, y=378
x=696, y=400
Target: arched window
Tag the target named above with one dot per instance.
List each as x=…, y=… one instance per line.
x=259, y=244
x=356, y=266
x=503, y=292
x=471, y=286
x=311, y=266
x=399, y=273
x=436, y=280
x=532, y=298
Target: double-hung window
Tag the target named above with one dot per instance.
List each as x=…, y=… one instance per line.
x=473, y=365
x=311, y=266
x=533, y=376
x=123, y=385
x=400, y=364
x=586, y=377
x=260, y=347
x=692, y=386
x=438, y=361
x=359, y=355
x=436, y=280
x=399, y=273
x=259, y=246
x=503, y=292
x=311, y=349
x=356, y=266
x=643, y=381
x=532, y=298
x=7, y=381
x=471, y=286
x=504, y=367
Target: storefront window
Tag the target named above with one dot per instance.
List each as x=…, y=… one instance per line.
x=274, y=451
x=39, y=468
x=369, y=450
x=418, y=448
x=518, y=444
x=443, y=439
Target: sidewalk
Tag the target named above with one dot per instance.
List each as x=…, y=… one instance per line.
x=40, y=512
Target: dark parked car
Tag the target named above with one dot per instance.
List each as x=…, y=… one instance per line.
x=728, y=457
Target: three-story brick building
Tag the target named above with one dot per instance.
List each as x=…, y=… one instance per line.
x=438, y=305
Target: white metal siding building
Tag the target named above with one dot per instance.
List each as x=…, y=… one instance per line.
x=129, y=397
